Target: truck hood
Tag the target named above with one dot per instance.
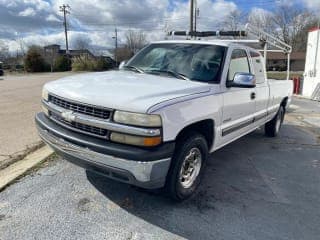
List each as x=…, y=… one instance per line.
x=124, y=90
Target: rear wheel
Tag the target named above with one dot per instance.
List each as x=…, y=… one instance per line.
x=272, y=127
x=187, y=166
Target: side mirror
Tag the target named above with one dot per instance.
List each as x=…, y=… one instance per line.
x=242, y=80
x=122, y=64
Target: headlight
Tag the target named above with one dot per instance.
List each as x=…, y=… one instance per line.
x=135, y=140
x=45, y=94
x=138, y=119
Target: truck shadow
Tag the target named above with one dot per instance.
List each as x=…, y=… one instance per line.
x=231, y=183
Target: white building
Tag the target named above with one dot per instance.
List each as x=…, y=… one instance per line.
x=311, y=83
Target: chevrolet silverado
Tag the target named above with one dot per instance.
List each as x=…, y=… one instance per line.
x=154, y=122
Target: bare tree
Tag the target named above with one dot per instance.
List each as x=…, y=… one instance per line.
x=262, y=19
x=22, y=45
x=135, y=40
x=289, y=21
x=82, y=43
x=51, y=56
x=301, y=38
x=4, y=51
x=122, y=54
x=234, y=20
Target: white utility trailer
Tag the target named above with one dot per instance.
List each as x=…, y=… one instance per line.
x=311, y=83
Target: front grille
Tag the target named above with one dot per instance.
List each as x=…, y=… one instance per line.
x=95, y=131
x=80, y=108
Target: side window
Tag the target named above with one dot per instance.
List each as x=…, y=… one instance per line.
x=258, y=67
x=239, y=63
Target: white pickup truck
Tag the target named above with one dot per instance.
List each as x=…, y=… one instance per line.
x=154, y=122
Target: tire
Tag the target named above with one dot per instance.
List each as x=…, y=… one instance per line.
x=273, y=127
x=182, y=181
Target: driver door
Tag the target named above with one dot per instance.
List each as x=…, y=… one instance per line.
x=239, y=103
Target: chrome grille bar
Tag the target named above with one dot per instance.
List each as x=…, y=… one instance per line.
x=80, y=108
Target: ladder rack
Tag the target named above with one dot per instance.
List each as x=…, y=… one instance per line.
x=209, y=33
x=268, y=38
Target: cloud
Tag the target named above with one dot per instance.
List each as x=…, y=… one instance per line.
x=211, y=14
x=312, y=4
x=26, y=16
x=121, y=12
x=27, y=12
x=40, y=22
x=52, y=18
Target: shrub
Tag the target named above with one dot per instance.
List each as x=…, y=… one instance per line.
x=62, y=63
x=101, y=64
x=283, y=75
x=84, y=63
x=34, y=62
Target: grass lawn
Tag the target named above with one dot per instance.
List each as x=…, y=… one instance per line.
x=283, y=75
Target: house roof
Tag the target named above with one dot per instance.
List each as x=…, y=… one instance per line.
x=282, y=56
x=52, y=46
x=76, y=52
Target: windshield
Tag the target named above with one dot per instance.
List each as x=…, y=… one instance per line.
x=198, y=62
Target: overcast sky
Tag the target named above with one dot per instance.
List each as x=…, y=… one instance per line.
x=40, y=22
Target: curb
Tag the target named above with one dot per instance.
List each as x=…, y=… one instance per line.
x=18, y=169
x=19, y=155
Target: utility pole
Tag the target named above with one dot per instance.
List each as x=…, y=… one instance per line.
x=191, y=14
x=196, y=14
x=65, y=9
x=116, y=44
x=317, y=47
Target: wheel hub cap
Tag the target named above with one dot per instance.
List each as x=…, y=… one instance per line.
x=190, y=167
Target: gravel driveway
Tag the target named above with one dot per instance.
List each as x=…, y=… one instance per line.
x=20, y=97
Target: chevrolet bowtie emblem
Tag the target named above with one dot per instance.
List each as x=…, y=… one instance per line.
x=68, y=116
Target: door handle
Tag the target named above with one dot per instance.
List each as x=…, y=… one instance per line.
x=253, y=95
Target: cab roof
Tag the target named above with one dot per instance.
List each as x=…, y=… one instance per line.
x=209, y=42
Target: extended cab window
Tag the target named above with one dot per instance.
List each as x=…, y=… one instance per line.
x=238, y=64
x=258, y=67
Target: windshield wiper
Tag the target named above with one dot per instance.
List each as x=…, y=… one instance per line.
x=139, y=70
x=172, y=73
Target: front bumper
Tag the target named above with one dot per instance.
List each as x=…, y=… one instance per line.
x=145, y=168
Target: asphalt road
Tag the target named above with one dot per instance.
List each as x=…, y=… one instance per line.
x=20, y=97
x=254, y=188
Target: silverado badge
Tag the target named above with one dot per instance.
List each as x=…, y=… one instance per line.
x=68, y=116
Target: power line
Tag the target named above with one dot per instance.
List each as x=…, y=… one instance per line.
x=193, y=12
x=129, y=23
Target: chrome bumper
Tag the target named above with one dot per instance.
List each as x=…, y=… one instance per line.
x=150, y=174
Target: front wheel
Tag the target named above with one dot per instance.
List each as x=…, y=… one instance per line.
x=272, y=127
x=187, y=166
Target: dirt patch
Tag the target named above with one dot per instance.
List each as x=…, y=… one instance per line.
x=83, y=204
x=20, y=155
